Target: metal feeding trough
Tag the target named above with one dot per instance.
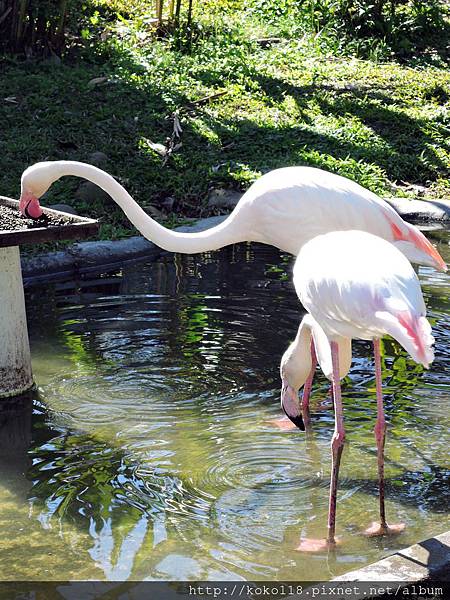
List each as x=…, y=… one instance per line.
x=15, y=361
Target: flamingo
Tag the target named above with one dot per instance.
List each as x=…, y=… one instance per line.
x=363, y=294
x=285, y=208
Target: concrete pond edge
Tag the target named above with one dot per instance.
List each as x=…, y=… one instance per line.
x=85, y=257
x=428, y=560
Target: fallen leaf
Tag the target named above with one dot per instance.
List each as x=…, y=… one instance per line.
x=97, y=81
x=158, y=148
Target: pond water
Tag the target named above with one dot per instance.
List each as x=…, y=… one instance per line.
x=147, y=451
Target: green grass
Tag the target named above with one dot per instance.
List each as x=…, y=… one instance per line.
x=289, y=104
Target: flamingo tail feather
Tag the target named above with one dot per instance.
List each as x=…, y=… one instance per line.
x=412, y=332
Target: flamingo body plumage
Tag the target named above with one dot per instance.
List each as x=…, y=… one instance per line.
x=355, y=285
x=285, y=208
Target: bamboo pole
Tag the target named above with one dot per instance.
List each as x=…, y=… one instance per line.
x=189, y=23
x=177, y=11
x=59, y=31
x=159, y=11
x=189, y=15
x=20, y=29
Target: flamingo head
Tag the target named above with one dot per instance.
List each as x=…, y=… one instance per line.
x=294, y=371
x=290, y=404
x=415, y=246
x=35, y=182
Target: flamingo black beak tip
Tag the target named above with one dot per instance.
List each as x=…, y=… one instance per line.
x=297, y=420
x=291, y=406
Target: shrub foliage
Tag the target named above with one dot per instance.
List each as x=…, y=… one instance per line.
x=401, y=26
x=28, y=26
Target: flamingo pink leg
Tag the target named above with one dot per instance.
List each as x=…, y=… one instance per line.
x=337, y=445
x=382, y=527
x=308, y=384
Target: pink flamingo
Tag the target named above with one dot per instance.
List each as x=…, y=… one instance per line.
x=284, y=208
x=353, y=285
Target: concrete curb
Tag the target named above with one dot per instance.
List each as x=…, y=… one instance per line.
x=85, y=257
x=420, y=210
x=423, y=561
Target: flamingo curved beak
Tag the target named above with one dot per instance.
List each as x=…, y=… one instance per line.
x=290, y=403
x=423, y=244
x=425, y=248
x=29, y=206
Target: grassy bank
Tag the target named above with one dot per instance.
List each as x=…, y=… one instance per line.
x=384, y=124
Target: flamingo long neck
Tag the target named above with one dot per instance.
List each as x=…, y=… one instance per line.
x=229, y=232
x=300, y=350
x=297, y=359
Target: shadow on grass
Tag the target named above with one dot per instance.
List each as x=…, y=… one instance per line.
x=58, y=112
x=406, y=151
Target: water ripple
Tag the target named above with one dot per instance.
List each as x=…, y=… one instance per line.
x=153, y=435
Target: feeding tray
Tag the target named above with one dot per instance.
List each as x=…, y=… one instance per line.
x=15, y=362
x=16, y=230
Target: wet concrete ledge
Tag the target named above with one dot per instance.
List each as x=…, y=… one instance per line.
x=86, y=257
x=425, y=561
x=419, y=211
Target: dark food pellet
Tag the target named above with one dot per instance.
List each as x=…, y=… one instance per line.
x=12, y=220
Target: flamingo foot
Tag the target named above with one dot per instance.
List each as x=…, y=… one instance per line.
x=316, y=545
x=283, y=423
x=376, y=529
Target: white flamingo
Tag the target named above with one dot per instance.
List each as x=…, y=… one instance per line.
x=361, y=294
x=284, y=208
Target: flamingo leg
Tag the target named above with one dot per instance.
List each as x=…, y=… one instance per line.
x=382, y=527
x=307, y=389
x=380, y=433
x=337, y=444
x=308, y=384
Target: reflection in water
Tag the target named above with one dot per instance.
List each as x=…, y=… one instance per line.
x=146, y=451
